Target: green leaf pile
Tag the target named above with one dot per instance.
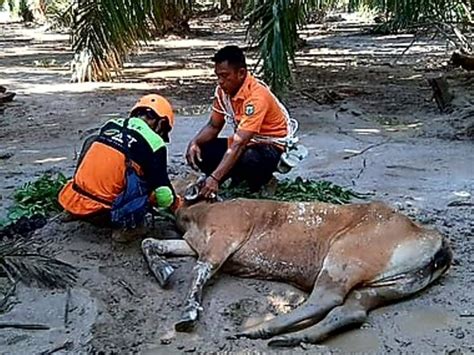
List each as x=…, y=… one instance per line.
x=297, y=190
x=39, y=197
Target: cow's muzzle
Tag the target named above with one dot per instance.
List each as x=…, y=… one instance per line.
x=192, y=193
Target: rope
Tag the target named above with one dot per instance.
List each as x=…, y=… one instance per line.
x=225, y=108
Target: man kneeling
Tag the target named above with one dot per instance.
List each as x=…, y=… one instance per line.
x=124, y=169
x=261, y=128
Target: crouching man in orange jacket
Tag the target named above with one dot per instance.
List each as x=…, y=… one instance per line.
x=122, y=171
x=262, y=128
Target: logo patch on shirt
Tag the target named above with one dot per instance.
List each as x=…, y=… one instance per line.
x=111, y=132
x=249, y=109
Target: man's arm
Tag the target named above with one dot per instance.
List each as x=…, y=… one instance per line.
x=216, y=122
x=156, y=175
x=209, y=132
x=240, y=140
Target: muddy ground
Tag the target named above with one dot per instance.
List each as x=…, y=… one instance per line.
x=369, y=121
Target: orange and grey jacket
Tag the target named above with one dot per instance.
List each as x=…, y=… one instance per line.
x=100, y=173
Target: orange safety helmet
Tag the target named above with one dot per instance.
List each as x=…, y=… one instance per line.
x=158, y=104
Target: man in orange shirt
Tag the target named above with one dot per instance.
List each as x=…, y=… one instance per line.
x=260, y=123
x=100, y=174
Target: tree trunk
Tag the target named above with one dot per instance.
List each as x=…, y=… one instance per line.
x=224, y=5
x=175, y=20
x=81, y=67
x=237, y=9
x=32, y=10
x=441, y=92
x=462, y=60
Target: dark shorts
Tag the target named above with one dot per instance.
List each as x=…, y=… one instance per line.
x=255, y=166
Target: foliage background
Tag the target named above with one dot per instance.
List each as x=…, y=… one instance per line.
x=103, y=32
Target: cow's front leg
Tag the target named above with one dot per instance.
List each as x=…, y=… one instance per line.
x=154, y=249
x=159, y=267
x=203, y=271
x=214, y=249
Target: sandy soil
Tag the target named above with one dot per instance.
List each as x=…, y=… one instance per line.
x=355, y=92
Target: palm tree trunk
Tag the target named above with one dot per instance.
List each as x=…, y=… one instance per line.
x=224, y=5
x=237, y=9
x=81, y=67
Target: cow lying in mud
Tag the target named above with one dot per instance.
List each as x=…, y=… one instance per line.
x=351, y=258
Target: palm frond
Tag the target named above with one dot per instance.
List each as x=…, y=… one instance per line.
x=19, y=265
x=403, y=14
x=278, y=22
x=298, y=190
x=273, y=25
x=4, y=301
x=59, y=13
x=104, y=32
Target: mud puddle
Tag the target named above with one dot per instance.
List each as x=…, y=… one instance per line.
x=423, y=320
x=355, y=341
x=418, y=170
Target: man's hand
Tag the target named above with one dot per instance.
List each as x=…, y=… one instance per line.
x=193, y=155
x=209, y=132
x=209, y=188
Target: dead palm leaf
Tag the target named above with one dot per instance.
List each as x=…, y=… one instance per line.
x=20, y=265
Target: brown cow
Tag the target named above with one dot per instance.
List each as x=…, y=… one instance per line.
x=351, y=258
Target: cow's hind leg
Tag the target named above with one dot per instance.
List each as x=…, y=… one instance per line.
x=153, y=250
x=360, y=301
x=353, y=312
x=338, y=275
x=326, y=295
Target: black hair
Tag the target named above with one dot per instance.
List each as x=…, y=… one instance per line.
x=234, y=55
x=145, y=112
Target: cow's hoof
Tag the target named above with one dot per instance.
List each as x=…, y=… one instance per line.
x=163, y=274
x=284, y=341
x=254, y=333
x=187, y=322
x=159, y=267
